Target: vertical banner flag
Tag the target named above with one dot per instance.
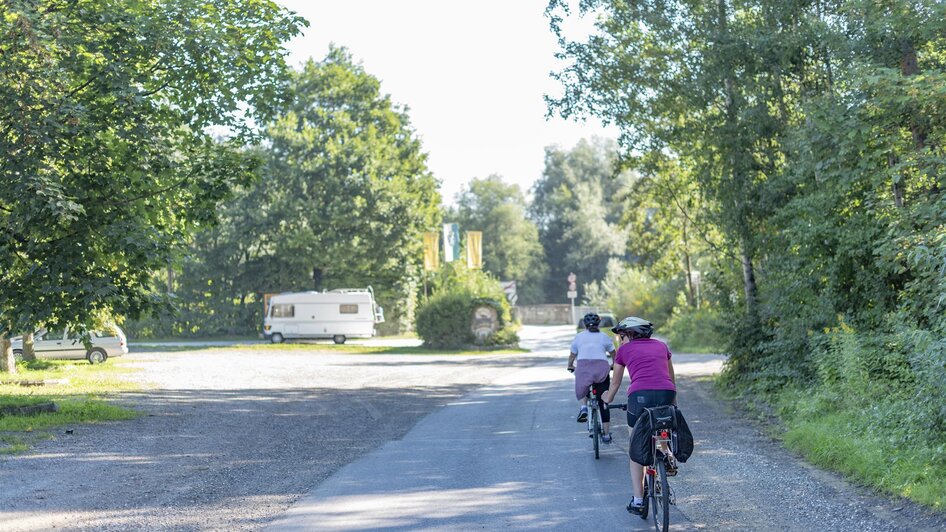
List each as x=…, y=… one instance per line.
x=474, y=249
x=431, y=251
x=451, y=242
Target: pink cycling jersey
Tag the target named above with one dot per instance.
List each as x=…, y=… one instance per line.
x=646, y=363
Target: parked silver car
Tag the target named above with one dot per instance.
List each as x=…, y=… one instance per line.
x=66, y=344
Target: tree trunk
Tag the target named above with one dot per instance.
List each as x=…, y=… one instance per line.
x=688, y=265
x=748, y=279
x=317, y=276
x=739, y=193
x=29, y=354
x=7, y=362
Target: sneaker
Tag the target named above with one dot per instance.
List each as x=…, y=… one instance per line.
x=635, y=509
x=583, y=414
x=606, y=438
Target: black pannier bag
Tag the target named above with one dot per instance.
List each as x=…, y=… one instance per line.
x=662, y=417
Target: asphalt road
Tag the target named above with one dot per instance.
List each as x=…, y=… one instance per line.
x=511, y=456
x=303, y=440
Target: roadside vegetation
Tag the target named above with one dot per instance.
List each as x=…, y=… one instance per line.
x=789, y=207
x=80, y=390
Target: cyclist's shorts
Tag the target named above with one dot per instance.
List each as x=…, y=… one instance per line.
x=588, y=372
x=641, y=399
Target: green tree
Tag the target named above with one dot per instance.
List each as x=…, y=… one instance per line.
x=511, y=248
x=577, y=210
x=350, y=186
x=343, y=202
x=106, y=160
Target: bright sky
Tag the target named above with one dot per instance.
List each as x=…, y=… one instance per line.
x=471, y=73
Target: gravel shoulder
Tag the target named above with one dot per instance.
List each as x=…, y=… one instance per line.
x=227, y=440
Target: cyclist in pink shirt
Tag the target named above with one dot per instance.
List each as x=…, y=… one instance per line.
x=653, y=383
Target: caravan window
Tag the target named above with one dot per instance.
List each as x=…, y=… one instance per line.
x=284, y=311
x=348, y=309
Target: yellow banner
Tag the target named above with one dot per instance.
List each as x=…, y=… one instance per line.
x=474, y=249
x=431, y=251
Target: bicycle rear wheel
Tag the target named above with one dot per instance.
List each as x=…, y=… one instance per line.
x=661, y=498
x=596, y=429
x=648, y=489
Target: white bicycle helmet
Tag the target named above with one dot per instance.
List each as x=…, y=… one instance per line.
x=638, y=326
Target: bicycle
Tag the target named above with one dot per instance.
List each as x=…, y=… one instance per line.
x=658, y=494
x=656, y=486
x=595, y=428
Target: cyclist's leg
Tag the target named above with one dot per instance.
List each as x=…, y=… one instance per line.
x=634, y=409
x=599, y=389
x=582, y=381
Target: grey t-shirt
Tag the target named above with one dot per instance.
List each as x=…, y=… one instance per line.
x=592, y=345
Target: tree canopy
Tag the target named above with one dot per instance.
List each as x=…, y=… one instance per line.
x=511, y=248
x=107, y=162
x=344, y=198
x=577, y=210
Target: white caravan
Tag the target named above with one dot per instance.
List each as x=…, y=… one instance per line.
x=339, y=314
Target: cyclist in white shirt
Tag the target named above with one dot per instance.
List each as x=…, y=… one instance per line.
x=591, y=348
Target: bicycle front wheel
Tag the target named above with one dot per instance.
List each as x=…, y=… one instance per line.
x=661, y=498
x=596, y=430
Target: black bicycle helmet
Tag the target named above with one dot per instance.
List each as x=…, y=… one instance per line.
x=639, y=328
x=591, y=321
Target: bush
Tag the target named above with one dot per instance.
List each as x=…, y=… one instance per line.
x=630, y=291
x=695, y=331
x=445, y=320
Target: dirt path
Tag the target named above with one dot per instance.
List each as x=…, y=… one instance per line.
x=228, y=440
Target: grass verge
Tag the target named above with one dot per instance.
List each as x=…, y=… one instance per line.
x=830, y=441
x=80, y=389
x=845, y=440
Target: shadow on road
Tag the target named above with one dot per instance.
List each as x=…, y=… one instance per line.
x=208, y=458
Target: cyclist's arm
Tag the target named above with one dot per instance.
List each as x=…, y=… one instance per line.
x=673, y=377
x=571, y=360
x=616, y=379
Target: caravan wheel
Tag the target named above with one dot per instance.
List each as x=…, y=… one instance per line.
x=277, y=338
x=339, y=338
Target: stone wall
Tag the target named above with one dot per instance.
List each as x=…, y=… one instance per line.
x=545, y=314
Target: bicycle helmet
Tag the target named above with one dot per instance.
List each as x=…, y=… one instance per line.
x=591, y=321
x=639, y=328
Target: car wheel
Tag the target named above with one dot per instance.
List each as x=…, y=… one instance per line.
x=339, y=339
x=277, y=338
x=18, y=355
x=96, y=356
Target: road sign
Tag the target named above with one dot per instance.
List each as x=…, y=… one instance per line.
x=572, y=278
x=572, y=287
x=572, y=294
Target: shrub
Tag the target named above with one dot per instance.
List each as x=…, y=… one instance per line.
x=630, y=291
x=444, y=321
x=695, y=330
